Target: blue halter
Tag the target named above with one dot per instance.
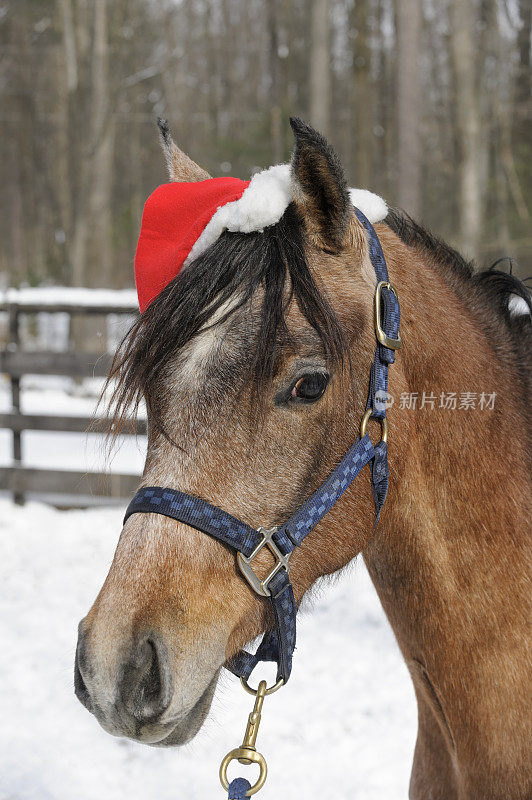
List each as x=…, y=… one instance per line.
x=278, y=644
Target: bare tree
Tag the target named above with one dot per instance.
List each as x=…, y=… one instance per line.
x=362, y=102
x=468, y=132
x=91, y=173
x=320, y=66
x=275, y=82
x=524, y=44
x=409, y=103
x=102, y=145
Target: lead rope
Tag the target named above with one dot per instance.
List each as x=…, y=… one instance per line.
x=247, y=753
x=238, y=789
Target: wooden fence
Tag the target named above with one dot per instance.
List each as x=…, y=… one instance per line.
x=16, y=362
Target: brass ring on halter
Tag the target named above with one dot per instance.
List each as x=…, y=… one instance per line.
x=250, y=690
x=383, y=423
x=250, y=756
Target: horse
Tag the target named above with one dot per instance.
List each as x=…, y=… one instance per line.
x=253, y=364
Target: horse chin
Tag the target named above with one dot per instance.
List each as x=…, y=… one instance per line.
x=188, y=727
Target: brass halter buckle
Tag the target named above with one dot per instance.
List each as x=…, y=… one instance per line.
x=244, y=563
x=393, y=344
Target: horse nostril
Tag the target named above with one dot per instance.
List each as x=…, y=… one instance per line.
x=82, y=693
x=150, y=685
x=145, y=688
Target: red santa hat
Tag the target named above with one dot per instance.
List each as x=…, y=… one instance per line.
x=181, y=220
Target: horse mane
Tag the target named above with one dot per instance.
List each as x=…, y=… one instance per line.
x=497, y=285
x=228, y=275
x=486, y=293
x=205, y=294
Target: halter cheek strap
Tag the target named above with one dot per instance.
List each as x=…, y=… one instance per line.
x=278, y=644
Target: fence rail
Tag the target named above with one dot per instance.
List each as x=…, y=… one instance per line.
x=75, y=365
x=18, y=422
x=17, y=362
x=20, y=480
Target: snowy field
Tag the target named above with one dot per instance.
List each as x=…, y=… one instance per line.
x=344, y=727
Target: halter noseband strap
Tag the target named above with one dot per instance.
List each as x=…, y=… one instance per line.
x=278, y=644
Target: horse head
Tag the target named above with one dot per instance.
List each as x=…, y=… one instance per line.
x=253, y=363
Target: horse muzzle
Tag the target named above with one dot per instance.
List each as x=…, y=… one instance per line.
x=137, y=701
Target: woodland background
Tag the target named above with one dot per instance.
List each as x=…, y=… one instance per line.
x=428, y=103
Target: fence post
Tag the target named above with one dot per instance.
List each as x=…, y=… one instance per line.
x=14, y=341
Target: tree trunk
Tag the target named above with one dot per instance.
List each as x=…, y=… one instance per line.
x=524, y=37
x=69, y=45
x=362, y=107
x=92, y=241
x=272, y=13
x=320, y=67
x=102, y=153
x=408, y=23
x=468, y=126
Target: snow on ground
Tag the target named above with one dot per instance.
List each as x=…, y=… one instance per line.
x=343, y=728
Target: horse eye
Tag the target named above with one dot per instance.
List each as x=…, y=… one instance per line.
x=310, y=388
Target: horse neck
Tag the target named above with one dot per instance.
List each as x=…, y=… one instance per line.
x=448, y=557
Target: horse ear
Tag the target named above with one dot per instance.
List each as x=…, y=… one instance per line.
x=180, y=166
x=320, y=190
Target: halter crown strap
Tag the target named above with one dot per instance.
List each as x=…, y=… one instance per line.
x=278, y=644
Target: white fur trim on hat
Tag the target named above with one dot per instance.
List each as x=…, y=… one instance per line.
x=517, y=306
x=264, y=202
x=371, y=205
